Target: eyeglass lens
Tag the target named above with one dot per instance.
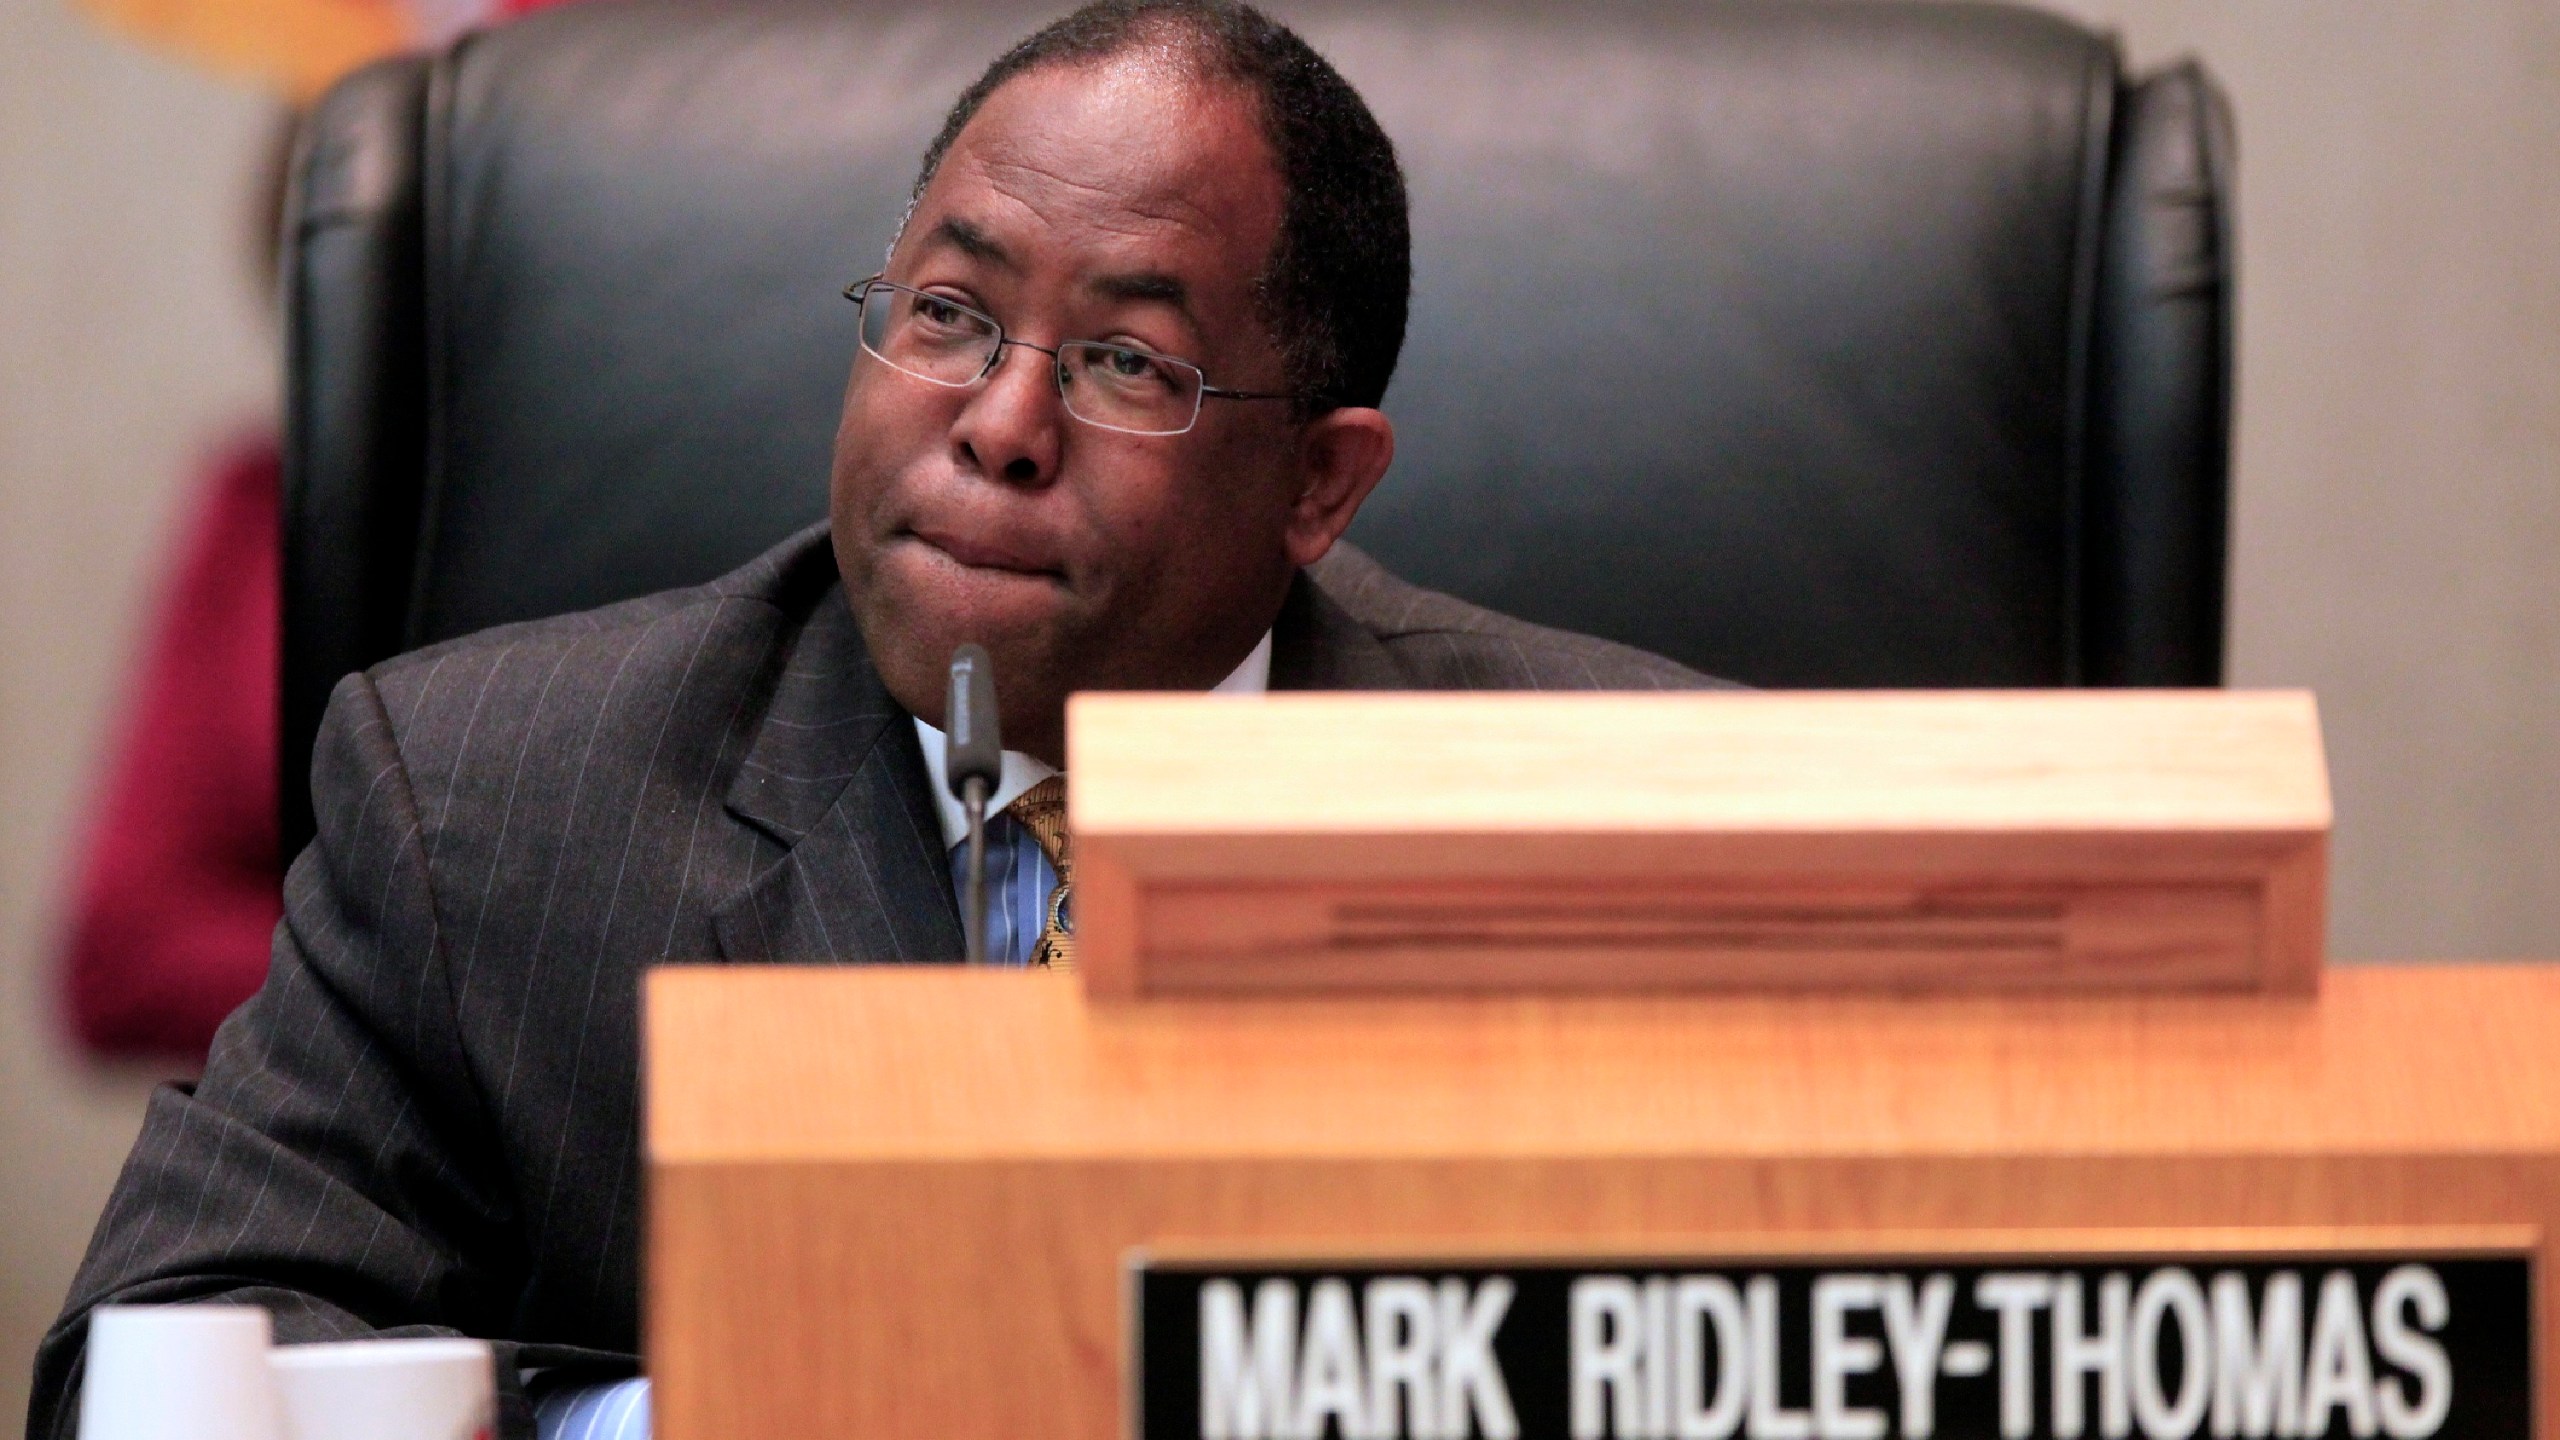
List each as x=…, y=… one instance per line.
x=1114, y=386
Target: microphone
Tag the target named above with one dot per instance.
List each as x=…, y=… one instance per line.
x=973, y=764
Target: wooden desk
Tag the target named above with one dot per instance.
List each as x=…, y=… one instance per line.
x=897, y=1202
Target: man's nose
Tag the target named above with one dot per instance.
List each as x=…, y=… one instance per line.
x=1011, y=428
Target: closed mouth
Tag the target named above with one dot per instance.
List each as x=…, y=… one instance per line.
x=982, y=554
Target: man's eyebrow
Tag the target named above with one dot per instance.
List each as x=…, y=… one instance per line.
x=971, y=241
x=1145, y=285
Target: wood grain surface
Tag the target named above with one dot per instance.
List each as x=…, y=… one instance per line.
x=1647, y=842
x=898, y=1202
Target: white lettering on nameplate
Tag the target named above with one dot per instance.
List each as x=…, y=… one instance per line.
x=2275, y=1348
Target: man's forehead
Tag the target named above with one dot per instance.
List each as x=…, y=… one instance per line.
x=1134, y=146
x=979, y=243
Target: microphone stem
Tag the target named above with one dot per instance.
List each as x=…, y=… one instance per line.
x=973, y=917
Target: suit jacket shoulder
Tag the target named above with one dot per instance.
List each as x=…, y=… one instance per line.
x=759, y=604
x=427, y=1119
x=1351, y=625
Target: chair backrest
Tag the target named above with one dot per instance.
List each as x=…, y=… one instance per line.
x=1811, y=342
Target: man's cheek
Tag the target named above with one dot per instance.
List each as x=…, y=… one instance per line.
x=885, y=432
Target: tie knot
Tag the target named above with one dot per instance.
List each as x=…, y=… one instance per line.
x=1042, y=810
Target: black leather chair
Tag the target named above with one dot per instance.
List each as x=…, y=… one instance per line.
x=1812, y=342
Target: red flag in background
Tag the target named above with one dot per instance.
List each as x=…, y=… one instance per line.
x=178, y=896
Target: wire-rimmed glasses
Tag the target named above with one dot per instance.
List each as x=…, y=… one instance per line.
x=1116, y=387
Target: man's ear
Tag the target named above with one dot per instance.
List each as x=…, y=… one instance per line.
x=1341, y=457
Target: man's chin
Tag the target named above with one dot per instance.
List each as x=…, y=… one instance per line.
x=914, y=615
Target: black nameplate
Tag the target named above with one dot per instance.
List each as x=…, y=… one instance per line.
x=2288, y=1346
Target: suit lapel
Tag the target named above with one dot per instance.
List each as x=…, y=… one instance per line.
x=835, y=779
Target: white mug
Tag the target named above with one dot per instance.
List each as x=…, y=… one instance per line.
x=387, y=1390
x=156, y=1371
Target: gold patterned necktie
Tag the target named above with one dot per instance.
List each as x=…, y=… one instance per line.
x=1042, y=810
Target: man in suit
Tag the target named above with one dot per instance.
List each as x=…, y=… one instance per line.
x=1114, y=407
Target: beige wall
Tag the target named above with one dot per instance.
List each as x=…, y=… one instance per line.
x=2397, y=524
x=129, y=339
x=2397, y=535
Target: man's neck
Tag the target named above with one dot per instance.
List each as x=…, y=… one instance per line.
x=1021, y=771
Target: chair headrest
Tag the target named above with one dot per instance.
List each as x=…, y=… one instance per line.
x=1746, y=331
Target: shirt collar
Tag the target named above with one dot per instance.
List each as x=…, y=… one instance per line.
x=1021, y=771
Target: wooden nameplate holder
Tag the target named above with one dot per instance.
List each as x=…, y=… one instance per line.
x=2108, y=841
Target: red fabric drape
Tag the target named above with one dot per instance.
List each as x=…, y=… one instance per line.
x=180, y=887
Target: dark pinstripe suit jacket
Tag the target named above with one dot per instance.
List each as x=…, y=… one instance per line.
x=427, y=1120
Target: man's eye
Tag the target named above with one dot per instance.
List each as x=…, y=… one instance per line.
x=1126, y=364
x=934, y=310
